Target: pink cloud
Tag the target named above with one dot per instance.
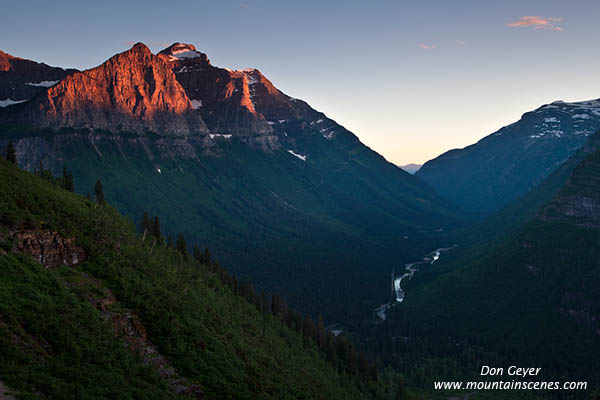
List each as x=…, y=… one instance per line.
x=537, y=22
x=427, y=46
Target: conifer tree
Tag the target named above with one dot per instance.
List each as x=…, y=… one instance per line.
x=196, y=253
x=181, y=246
x=156, y=230
x=169, y=240
x=68, y=180
x=308, y=329
x=99, y=192
x=321, y=333
x=146, y=224
x=11, y=154
x=276, y=305
x=206, y=256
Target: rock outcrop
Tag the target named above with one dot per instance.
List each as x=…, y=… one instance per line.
x=48, y=248
x=579, y=200
x=128, y=326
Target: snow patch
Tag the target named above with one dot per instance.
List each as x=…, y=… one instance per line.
x=43, y=83
x=10, y=102
x=187, y=69
x=300, y=156
x=219, y=135
x=196, y=104
x=158, y=170
x=551, y=119
x=581, y=116
x=184, y=53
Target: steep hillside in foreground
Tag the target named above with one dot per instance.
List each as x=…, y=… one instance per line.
x=278, y=191
x=89, y=309
x=532, y=299
x=499, y=168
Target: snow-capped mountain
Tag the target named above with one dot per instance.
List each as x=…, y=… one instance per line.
x=132, y=91
x=489, y=174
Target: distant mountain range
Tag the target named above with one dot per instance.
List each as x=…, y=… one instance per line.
x=279, y=192
x=411, y=168
x=499, y=168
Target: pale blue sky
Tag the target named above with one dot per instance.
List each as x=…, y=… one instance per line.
x=411, y=79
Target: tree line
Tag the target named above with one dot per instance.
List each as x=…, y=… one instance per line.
x=338, y=350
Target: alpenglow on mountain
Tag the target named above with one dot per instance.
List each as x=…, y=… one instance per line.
x=279, y=192
x=22, y=79
x=499, y=168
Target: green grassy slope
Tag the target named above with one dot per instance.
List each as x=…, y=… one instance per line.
x=54, y=343
x=333, y=225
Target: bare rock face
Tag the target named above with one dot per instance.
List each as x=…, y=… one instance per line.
x=224, y=97
x=241, y=103
x=132, y=91
x=191, y=105
x=579, y=200
x=21, y=79
x=49, y=248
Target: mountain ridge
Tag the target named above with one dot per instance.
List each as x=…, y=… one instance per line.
x=132, y=91
x=500, y=167
x=22, y=79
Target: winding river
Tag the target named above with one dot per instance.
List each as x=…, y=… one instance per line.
x=410, y=270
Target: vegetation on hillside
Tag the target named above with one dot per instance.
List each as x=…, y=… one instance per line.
x=55, y=343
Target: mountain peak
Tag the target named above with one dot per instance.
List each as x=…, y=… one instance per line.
x=5, y=59
x=183, y=51
x=140, y=47
x=132, y=91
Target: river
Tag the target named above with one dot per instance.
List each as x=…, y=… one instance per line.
x=410, y=270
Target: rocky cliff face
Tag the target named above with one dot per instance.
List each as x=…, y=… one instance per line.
x=48, y=248
x=238, y=102
x=579, y=200
x=21, y=79
x=128, y=326
x=224, y=97
x=132, y=91
x=177, y=92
